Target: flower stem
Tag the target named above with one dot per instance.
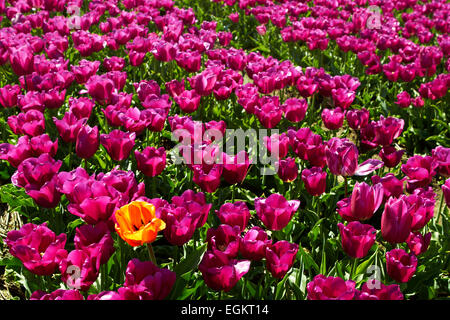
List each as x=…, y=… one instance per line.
x=151, y=254
x=355, y=262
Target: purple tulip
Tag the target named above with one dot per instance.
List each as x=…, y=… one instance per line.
x=287, y=169
x=342, y=157
x=396, y=220
x=224, y=238
x=275, y=211
x=253, y=244
x=145, y=281
x=315, y=180
x=31, y=123
x=420, y=171
x=59, y=294
x=357, y=238
x=418, y=243
x=295, y=109
x=400, y=265
x=220, y=272
x=95, y=240
x=69, y=126
x=387, y=129
x=39, y=249
x=391, y=156
x=9, y=95
x=365, y=200
x=333, y=119
x=88, y=141
x=379, y=291
x=280, y=257
x=446, y=191
x=180, y=223
x=442, y=157
x=151, y=161
x=118, y=144
x=234, y=214
x=194, y=202
x=330, y=288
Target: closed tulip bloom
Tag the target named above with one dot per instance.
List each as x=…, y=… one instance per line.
x=39, y=249
x=221, y=272
x=342, y=157
x=315, y=180
x=253, y=244
x=81, y=107
x=391, y=156
x=357, y=238
x=224, y=238
x=21, y=59
x=234, y=214
x=280, y=257
x=101, y=89
x=137, y=224
x=295, y=109
x=269, y=115
x=194, y=202
x=421, y=206
x=403, y=99
x=145, y=281
x=151, y=161
x=287, y=169
x=88, y=141
x=275, y=211
x=379, y=292
x=391, y=185
x=396, y=220
x=118, y=144
x=330, y=288
x=277, y=145
x=333, y=119
x=365, y=200
x=418, y=243
x=400, y=265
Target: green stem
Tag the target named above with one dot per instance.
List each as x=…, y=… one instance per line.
x=355, y=263
x=151, y=254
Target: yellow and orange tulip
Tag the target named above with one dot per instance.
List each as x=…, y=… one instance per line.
x=137, y=224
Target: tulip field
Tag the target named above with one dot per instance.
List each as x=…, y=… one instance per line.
x=224, y=149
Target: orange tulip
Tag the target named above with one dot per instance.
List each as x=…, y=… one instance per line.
x=136, y=223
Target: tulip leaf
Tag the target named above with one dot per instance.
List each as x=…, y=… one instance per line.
x=191, y=262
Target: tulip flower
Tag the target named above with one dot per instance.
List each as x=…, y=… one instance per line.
x=420, y=171
x=333, y=119
x=287, y=169
x=357, y=238
x=145, y=281
x=365, y=200
x=421, y=206
x=101, y=89
x=137, y=224
x=118, y=144
x=330, y=288
x=69, y=126
x=357, y=119
x=446, y=191
x=95, y=239
x=224, y=238
x=151, y=161
x=418, y=243
x=387, y=129
x=391, y=185
x=9, y=95
x=400, y=265
x=81, y=107
x=105, y=295
x=235, y=167
x=315, y=180
x=280, y=257
x=31, y=123
x=442, y=157
x=342, y=157
x=180, y=223
x=80, y=269
x=88, y=141
x=59, y=294
x=220, y=272
x=295, y=109
x=403, y=99
x=253, y=244
x=275, y=211
x=396, y=220
x=194, y=202
x=278, y=145
x=379, y=292
x=391, y=156
x=207, y=177
x=39, y=249
x=38, y=177
x=234, y=214
x=188, y=100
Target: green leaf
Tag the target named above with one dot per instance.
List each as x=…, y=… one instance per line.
x=191, y=262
